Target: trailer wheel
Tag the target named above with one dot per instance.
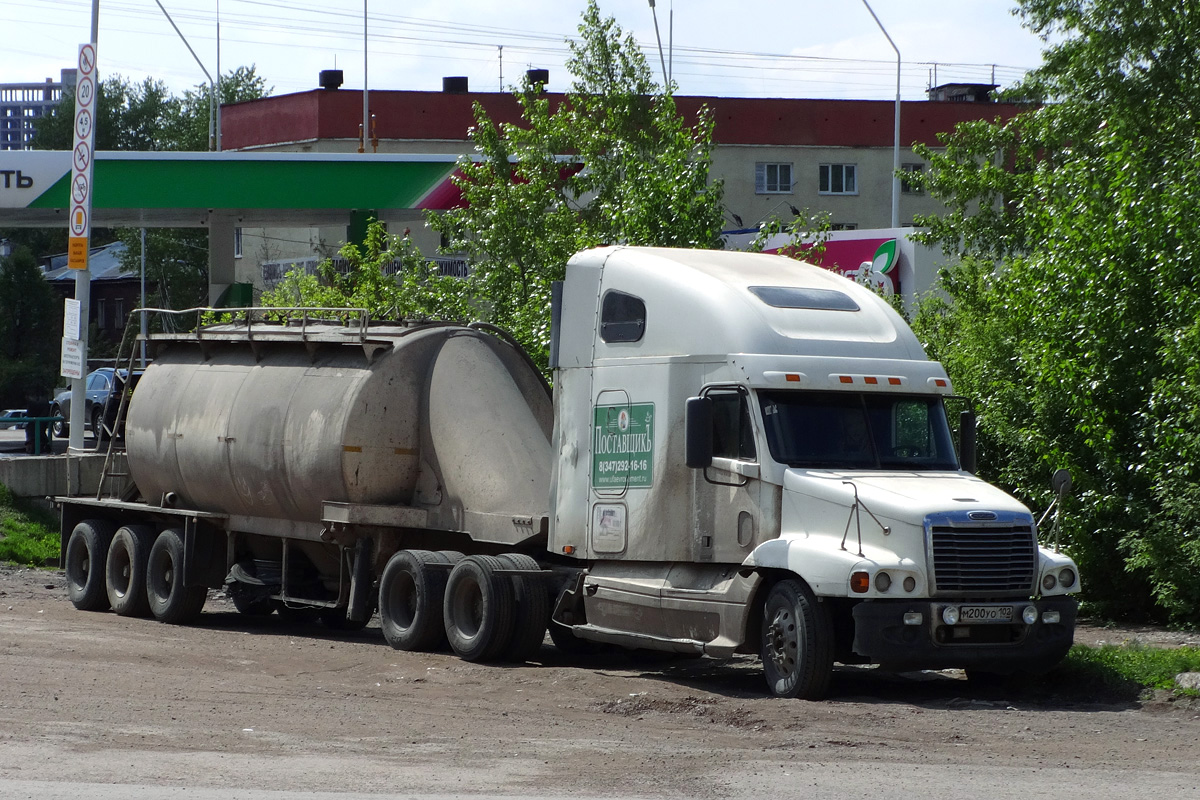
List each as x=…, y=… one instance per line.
x=532, y=609
x=125, y=570
x=87, y=552
x=411, y=595
x=797, y=642
x=170, y=600
x=478, y=609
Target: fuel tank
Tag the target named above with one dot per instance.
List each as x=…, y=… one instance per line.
x=269, y=422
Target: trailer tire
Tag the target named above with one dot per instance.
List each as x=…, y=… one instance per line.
x=532, y=609
x=125, y=570
x=171, y=601
x=478, y=609
x=87, y=553
x=411, y=594
x=797, y=642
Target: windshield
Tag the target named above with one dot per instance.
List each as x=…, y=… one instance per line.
x=847, y=430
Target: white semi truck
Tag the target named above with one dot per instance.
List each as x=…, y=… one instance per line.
x=741, y=453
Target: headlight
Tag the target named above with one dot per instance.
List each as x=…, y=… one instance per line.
x=1066, y=576
x=910, y=583
x=1048, y=582
x=950, y=615
x=1029, y=614
x=883, y=582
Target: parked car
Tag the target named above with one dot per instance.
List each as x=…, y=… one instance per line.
x=102, y=384
x=10, y=413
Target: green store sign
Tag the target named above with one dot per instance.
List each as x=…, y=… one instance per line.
x=623, y=446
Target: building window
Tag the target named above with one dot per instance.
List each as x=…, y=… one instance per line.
x=907, y=186
x=843, y=226
x=838, y=179
x=119, y=312
x=237, y=242
x=101, y=315
x=773, y=178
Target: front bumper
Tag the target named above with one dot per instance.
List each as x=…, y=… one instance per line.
x=881, y=636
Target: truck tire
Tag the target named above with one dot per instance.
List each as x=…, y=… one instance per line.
x=170, y=600
x=125, y=570
x=411, y=595
x=478, y=609
x=797, y=642
x=532, y=605
x=87, y=553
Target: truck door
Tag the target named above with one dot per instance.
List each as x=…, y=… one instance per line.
x=727, y=514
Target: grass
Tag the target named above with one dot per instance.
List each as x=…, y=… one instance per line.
x=1118, y=670
x=28, y=535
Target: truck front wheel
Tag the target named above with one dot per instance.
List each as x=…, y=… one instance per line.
x=797, y=642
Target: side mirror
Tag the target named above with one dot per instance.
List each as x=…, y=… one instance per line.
x=698, y=425
x=1061, y=482
x=966, y=441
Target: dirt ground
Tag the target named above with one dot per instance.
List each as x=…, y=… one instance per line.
x=264, y=703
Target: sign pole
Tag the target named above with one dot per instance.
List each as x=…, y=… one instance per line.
x=79, y=223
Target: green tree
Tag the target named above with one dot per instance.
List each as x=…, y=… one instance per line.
x=1075, y=313
x=387, y=276
x=29, y=331
x=129, y=116
x=613, y=163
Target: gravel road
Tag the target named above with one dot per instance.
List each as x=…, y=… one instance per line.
x=97, y=706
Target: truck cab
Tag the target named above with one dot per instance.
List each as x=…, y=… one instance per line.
x=754, y=456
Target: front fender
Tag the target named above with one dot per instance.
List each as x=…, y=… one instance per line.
x=827, y=570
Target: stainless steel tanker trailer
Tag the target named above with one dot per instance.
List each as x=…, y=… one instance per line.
x=741, y=454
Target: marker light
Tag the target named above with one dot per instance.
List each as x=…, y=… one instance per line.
x=860, y=582
x=1051, y=618
x=883, y=582
x=913, y=617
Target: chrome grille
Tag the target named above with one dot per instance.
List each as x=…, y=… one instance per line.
x=983, y=559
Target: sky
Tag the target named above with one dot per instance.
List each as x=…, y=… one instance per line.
x=746, y=48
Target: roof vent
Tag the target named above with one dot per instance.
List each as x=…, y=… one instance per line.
x=455, y=85
x=538, y=76
x=331, y=79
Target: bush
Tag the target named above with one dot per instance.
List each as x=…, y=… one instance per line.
x=27, y=534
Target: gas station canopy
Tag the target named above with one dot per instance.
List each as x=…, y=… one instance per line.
x=166, y=189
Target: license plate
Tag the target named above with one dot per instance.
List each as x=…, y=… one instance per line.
x=984, y=614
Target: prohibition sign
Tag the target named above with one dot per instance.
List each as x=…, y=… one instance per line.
x=87, y=59
x=83, y=123
x=79, y=221
x=79, y=189
x=83, y=156
x=85, y=92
